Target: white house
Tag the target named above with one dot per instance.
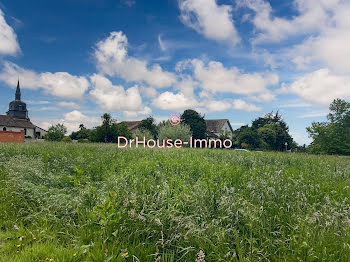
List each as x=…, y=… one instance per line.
x=216, y=127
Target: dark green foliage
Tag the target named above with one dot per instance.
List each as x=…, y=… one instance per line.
x=56, y=133
x=269, y=132
x=196, y=123
x=248, y=136
x=332, y=137
x=83, y=133
x=106, y=123
x=122, y=130
x=275, y=132
x=150, y=125
x=109, y=133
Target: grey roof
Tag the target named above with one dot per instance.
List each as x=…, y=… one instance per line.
x=131, y=124
x=215, y=125
x=6, y=120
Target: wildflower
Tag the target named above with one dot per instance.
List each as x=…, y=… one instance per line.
x=47, y=258
x=34, y=238
x=157, y=221
x=126, y=202
x=51, y=259
x=18, y=245
x=74, y=255
x=131, y=212
x=126, y=254
x=200, y=256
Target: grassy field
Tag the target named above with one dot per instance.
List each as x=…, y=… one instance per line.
x=89, y=202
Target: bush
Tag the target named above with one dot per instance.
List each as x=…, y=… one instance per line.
x=140, y=133
x=83, y=140
x=56, y=133
x=66, y=139
x=181, y=131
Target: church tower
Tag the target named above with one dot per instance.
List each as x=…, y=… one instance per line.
x=17, y=108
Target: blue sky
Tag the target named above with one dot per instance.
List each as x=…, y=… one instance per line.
x=235, y=59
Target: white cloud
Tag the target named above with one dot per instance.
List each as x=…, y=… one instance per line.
x=8, y=38
x=162, y=45
x=330, y=47
x=61, y=84
x=115, y=98
x=73, y=119
x=240, y=104
x=217, y=106
x=313, y=15
x=148, y=92
x=321, y=87
x=264, y=97
x=112, y=59
x=70, y=120
x=69, y=104
x=237, y=124
x=313, y=114
x=128, y=3
x=216, y=78
x=171, y=101
x=209, y=19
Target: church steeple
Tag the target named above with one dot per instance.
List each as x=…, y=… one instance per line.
x=17, y=108
x=18, y=92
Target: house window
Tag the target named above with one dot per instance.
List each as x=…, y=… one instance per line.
x=25, y=131
x=4, y=129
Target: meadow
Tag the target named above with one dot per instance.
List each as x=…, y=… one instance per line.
x=94, y=202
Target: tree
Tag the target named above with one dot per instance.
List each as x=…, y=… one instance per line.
x=149, y=124
x=123, y=130
x=268, y=136
x=82, y=133
x=275, y=124
x=56, y=133
x=332, y=137
x=196, y=122
x=250, y=137
x=168, y=131
x=106, y=122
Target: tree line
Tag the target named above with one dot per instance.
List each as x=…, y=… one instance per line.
x=269, y=132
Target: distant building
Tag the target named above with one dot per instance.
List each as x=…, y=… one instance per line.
x=16, y=118
x=132, y=125
x=215, y=127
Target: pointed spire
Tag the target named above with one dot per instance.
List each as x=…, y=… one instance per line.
x=18, y=92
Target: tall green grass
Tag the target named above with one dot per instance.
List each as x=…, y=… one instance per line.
x=94, y=202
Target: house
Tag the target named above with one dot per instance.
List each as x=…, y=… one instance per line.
x=132, y=125
x=215, y=127
x=17, y=120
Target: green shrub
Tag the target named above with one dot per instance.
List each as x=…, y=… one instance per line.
x=140, y=133
x=56, y=133
x=66, y=139
x=181, y=131
x=83, y=140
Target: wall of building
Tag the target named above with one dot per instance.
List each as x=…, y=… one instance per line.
x=41, y=131
x=30, y=131
x=11, y=136
x=225, y=128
